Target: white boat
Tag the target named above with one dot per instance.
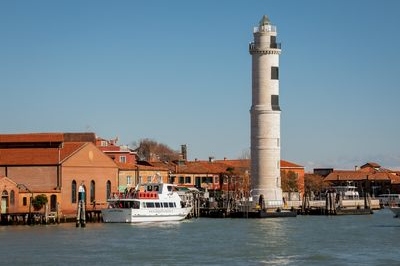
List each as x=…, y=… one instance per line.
x=149, y=202
x=347, y=192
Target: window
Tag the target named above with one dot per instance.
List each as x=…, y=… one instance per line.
x=149, y=179
x=128, y=180
x=273, y=42
x=24, y=201
x=73, y=191
x=92, y=191
x=108, y=189
x=274, y=73
x=216, y=179
x=53, y=203
x=122, y=159
x=181, y=180
x=12, y=197
x=188, y=180
x=275, y=103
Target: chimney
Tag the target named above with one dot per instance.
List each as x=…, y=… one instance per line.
x=184, y=152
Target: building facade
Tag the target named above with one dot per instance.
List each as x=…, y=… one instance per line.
x=55, y=165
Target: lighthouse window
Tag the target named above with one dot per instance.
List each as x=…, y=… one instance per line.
x=274, y=73
x=273, y=42
x=275, y=102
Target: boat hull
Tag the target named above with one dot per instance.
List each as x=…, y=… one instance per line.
x=140, y=216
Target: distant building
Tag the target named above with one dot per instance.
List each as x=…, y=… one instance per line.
x=131, y=170
x=207, y=174
x=370, y=177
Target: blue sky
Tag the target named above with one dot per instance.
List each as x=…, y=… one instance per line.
x=179, y=72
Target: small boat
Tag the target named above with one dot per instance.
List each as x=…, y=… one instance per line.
x=149, y=202
x=395, y=210
x=347, y=192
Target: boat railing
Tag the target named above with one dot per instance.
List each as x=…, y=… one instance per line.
x=146, y=195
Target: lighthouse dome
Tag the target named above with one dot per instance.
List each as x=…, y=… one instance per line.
x=264, y=21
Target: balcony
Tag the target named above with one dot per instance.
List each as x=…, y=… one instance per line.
x=265, y=28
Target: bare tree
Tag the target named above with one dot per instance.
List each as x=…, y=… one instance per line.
x=289, y=181
x=151, y=150
x=314, y=184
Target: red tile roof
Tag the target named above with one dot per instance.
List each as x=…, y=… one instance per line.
x=47, y=137
x=31, y=137
x=38, y=156
x=348, y=175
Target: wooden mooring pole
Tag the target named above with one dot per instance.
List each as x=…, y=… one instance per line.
x=81, y=213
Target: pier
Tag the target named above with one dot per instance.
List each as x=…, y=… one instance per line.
x=37, y=218
x=220, y=209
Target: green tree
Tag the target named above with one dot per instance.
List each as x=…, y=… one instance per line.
x=39, y=201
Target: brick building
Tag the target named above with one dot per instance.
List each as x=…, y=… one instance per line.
x=53, y=164
x=370, y=177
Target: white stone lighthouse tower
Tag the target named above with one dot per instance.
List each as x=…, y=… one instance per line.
x=265, y=117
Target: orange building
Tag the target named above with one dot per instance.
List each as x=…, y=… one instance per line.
x=53, y=164
x=130, y=169
x=370, y=177
x=206, y=174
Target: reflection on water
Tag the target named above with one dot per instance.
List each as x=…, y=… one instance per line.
x=303, y=240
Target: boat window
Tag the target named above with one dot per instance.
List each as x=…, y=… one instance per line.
x=150, y=204
x=155, y=188
x=165, y=204
x=149, y=188
x=171, y=204
x=136, y=204
x=157, y=205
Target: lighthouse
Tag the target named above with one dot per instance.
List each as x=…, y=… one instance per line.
x=265, y=117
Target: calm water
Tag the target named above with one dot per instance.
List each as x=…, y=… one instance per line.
x=304, y=240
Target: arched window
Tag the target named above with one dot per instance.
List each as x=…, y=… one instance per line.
x=73, y=191
x=92, y=191
x=108, y=189
x=12, y=198
x=4, y=201
x=53, y=203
